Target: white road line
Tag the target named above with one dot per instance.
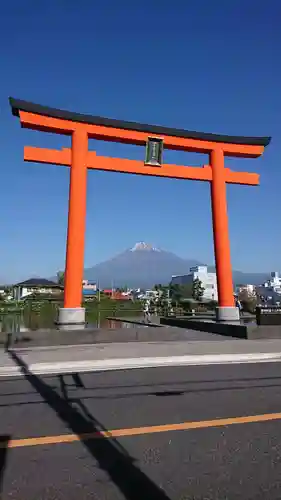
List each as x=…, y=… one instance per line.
x=135, y=363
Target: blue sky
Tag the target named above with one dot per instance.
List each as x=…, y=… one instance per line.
x=207, y=66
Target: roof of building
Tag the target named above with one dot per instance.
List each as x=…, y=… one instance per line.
x=18, y=105
x=89, y=291
x=39, y=282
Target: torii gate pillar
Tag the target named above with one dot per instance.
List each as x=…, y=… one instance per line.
x=79, y=159
x=226, y=310
x=72, y=312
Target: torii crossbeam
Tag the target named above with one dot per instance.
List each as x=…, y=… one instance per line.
x=79, y=158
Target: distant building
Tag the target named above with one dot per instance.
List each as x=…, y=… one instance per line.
x=89, y=288
x=88, y=292
x=6, y=292
x=274, y=282
x=89, y=285
x=147, y=294
x=270, y=291
x=115, y=294
x=208, y=280
x=35, y=285
x=249, y=289
x=151, y=294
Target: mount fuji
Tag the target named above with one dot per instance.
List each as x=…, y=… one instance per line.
x=142, y=266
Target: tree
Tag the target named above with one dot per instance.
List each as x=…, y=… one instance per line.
x=159, y=302
x=186, y=291
x=60, y=278
x=248, y=301
x=179, y=292
x=175, y=292
x=197, y=289
x=158, y=287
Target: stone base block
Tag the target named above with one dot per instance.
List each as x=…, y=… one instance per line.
x=71, y=316
x=71, y=327
x=227, y=314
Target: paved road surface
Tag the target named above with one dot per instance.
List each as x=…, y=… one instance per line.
x=127, y=333
x=97, y=357
x=207, y=460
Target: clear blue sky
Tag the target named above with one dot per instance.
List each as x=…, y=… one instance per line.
x=211, y=66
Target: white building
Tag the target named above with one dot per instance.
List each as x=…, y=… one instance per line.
x=36, y=285
x=271, y=289
x=274, y=282
x=249, y=289
x=89, y=285
x=208, y=280
x=148, y=294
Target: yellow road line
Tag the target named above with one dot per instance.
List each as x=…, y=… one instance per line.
x=135, y=431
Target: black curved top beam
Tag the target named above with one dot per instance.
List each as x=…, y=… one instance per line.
x=30, y=107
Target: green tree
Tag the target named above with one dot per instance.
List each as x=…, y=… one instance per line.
x=158, y=287
x=159, y=302
x=179, y=292
x=175, y=292
x=60, y=278
x=197, y=289
x=248, y=301
x=186, y=291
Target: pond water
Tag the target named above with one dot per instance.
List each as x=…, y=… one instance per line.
x=26, y=322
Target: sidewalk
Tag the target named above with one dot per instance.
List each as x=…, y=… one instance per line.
x=120, y=356
x=7, y=366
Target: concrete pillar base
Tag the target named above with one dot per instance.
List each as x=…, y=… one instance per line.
x=71, y=327
x=71, y=316
x=227, y=314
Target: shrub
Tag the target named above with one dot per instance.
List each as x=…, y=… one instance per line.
x=249, y=305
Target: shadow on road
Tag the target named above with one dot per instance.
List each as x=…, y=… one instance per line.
x=164, y=387
x=110, y=455
x=159, y=389
x=4, y=442
x=84, y=410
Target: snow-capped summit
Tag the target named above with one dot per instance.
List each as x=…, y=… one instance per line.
x=141, y=266
x=144, y=246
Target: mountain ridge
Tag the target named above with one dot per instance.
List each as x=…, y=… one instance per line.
x=144, y=265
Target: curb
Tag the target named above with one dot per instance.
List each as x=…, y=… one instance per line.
x=137, y=363
x=135, y=322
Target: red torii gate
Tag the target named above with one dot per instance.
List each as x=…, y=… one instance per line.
x=79, y=158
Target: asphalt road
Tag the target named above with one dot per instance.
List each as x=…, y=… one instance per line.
x=211, y=461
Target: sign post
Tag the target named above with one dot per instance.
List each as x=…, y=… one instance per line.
x=268, y=315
